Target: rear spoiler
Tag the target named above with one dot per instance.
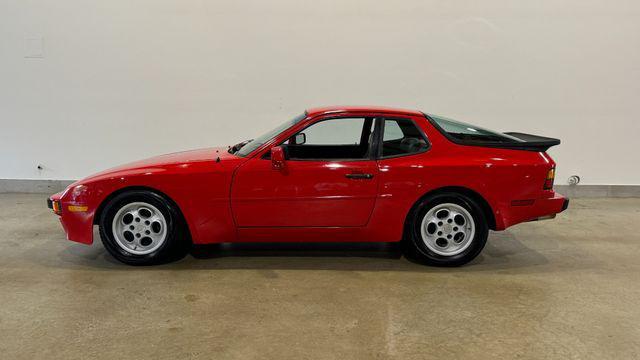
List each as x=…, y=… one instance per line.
x=530, y=142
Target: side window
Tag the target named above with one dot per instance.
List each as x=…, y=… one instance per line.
x=402, y=137
x=345, y=131
x=340, y=138
x=392, y=131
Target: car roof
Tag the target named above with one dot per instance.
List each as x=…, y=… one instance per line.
x=340, y=109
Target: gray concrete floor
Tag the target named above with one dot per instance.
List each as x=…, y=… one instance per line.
x=568, y=288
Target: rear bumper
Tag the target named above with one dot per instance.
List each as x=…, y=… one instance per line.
x=538, y=209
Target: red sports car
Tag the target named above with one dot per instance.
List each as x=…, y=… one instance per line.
x=333, y=174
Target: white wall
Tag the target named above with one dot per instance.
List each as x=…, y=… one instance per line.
x=122, y=80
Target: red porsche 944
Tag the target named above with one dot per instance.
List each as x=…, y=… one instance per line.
x=334, y=174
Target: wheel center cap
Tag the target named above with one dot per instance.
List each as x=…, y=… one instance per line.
x=447, y=228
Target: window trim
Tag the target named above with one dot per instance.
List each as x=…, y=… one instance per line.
x=381, y=120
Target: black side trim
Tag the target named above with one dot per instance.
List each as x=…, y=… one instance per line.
x=565, y=205
x=529, y=142
x=50, y=204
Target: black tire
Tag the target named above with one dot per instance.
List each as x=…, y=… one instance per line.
x=416, y=249
x=177, y=241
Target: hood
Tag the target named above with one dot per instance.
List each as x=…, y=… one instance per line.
x=182, y=157
x=177, y=158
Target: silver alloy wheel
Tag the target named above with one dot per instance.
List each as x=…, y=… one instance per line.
x=447, y=229
x=139, y=228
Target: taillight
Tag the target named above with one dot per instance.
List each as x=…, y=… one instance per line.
x=548, y=182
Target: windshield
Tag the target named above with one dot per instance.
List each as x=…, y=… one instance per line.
x=245, y=148
x=466, y=132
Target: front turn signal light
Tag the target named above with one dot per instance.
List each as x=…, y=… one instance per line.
x=548, y=182
x=57, y=208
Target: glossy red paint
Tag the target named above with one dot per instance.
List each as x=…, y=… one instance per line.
x=228, y=198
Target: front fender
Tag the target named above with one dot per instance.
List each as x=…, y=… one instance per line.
x=81, y=201
x=200, y=190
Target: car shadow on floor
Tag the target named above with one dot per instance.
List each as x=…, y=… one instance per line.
x=366, y=250
x=503, y=251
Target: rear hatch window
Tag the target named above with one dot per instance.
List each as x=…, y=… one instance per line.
x=460, y=132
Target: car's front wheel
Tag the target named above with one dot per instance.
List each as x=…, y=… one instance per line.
x=143, y=228
x=446, y=229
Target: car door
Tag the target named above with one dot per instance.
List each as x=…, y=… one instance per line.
x=329, y=179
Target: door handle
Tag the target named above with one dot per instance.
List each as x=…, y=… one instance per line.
x=359, y=176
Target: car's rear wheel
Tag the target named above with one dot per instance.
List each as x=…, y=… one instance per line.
x=446, y=229
x=143, y=228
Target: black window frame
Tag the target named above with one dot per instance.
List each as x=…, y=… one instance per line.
x=375, y=148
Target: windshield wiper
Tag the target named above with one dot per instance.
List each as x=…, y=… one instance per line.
x=234, y=149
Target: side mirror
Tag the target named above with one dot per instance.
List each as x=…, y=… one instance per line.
x=277, y=158
x=299, y=139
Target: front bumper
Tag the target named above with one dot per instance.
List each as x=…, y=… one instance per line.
x=76, y=221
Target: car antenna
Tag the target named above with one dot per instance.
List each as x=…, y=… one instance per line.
x=218, y=158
